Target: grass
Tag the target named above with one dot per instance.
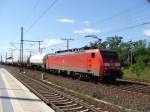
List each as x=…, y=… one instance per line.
x=144, y=75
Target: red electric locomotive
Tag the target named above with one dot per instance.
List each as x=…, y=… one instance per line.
x=94, y=63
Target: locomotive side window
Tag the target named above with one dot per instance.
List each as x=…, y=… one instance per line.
x=92, y=55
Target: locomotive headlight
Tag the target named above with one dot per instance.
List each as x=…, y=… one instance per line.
x=106, y=64
x=117, y=64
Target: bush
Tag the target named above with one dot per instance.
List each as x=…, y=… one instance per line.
x=138, y=67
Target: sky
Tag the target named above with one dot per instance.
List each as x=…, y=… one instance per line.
x=70, y=19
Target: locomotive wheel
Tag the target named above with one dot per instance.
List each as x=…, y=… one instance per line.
x=109, y=79
x=74, y=75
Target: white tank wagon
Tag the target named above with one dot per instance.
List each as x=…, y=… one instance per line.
x=9, y=61
x=37, y=60
x=15, y=61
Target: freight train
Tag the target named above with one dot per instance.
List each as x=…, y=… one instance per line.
x=95, y=64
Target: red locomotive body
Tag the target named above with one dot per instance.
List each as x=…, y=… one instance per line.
x=86, y=63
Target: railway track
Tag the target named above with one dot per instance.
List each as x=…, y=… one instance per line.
x=144, y=82
x=135, y=86
x=139, y=87
x=58, y=100
x=132, y=86
x=122, y=92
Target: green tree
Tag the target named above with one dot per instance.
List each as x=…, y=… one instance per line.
x=114, y=42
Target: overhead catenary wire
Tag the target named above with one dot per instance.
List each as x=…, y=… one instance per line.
x=31, y=15
x=142, y=17
x=54, y=2
x=129, y=27
x=41, y=15
x=115, y=15
x=121, y=13
x=36, y=4
x=134, y=26
x=139, y=17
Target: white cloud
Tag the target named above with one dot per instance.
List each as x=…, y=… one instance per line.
x=87, y=31
x=147, y=32
x=87, y=23
x=66, y=20
x=51, y=42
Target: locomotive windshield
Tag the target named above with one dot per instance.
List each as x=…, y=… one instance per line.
x=109, y=55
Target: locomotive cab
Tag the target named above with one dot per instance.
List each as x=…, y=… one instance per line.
x=111, y=64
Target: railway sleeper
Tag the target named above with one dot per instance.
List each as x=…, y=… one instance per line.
x=74, y=108
x=48, y=95
x=67, y=106
x=135, y=89
x=55, y=98
x=59, y=101
x=64, y=103
x=28, y=82
x=39, y=87
x=85, y=110
x=54, y=95
x=43, y=92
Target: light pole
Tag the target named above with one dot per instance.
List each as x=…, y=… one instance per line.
x=149, y=42
x=39, y=42
x=1, y=59
x=132, y=50
x=6, y=58
x=11, y=53
x=68, y=40
x=95, y=37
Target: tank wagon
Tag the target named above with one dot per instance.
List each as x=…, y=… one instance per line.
x=9, y=61
x=37, y=61
x=15, y=61
x=96, y=64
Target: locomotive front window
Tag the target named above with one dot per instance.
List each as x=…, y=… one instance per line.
x=109, y=55
x=92, y=55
